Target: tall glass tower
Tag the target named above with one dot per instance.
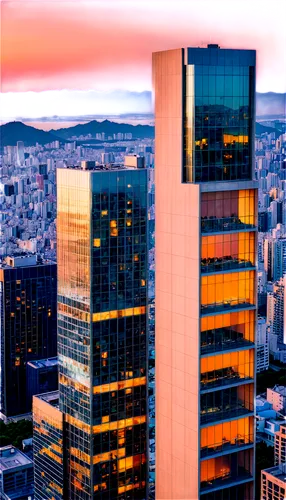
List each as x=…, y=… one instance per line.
x=100, y=453
x=206, y=223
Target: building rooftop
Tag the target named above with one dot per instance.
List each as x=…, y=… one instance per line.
x=279, y=472
x=23, y=260
x=44, y=363
x=92, y=166
x=11, y=458
x=52, y=398
x=281, y=389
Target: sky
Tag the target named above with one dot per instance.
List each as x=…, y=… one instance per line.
x=70, y=58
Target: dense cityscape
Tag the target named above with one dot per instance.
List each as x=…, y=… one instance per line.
x=49, y=289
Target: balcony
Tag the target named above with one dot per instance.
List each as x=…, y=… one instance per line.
x=223, y=264
x=226, y=479
x=219, y=378
x=223, y=339
x=227, y=446
x=213, y=225
x=225, y=412
x=226, y=306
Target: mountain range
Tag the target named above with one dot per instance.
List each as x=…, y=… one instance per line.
x=108, y=127
x=12, y=132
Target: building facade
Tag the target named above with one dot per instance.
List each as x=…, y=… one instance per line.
x=262, y=345
x=42, y=376
x=28, y=325
x=206, y=231
x=273, y=483
x=280, y=445
x=102, y=332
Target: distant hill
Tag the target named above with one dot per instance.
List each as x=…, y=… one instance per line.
x=262, y=129
x=108, y=127
x=12, y=132
x=270, y=104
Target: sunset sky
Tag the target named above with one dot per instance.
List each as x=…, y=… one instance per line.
x=94, y=57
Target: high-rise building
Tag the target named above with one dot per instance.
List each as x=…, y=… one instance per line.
x=273, y=483
x=28, y=325
x=20, y=153
x=276, y=305
x=280, y=445
x=275, y=258
x=262, y=346
x=102, y=340
x=206, y=226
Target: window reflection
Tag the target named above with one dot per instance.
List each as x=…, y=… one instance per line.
x=226, y=436
x=227, y=251
x=227, y=331
x=228, y=468
x=228, y=211
x=218, y=123
x=229, y=403
x=226, y=369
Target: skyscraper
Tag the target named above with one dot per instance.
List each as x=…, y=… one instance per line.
x=28, y=325
x=206, y=223
x=20, y=153
x=96, y=431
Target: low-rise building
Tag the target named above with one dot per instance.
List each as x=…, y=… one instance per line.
x=42, y=376
x=273, y=483
x=16, y=475
x=277, y=397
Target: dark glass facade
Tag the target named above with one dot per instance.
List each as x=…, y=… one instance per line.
x=42, y=376
x=102, y=331
x=28, y=328
x=220, y=89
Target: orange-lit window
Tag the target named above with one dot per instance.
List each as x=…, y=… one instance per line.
x=221, y=468
x=225, y=325
x=96, y=242
x=231, y=289
x=113, y=223
x=227, y=368
x=227, y=251
x=223, y=436
x=104, y=212
x=228, y=210
x=114, y=232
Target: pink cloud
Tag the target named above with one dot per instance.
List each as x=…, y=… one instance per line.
x=108, y=44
